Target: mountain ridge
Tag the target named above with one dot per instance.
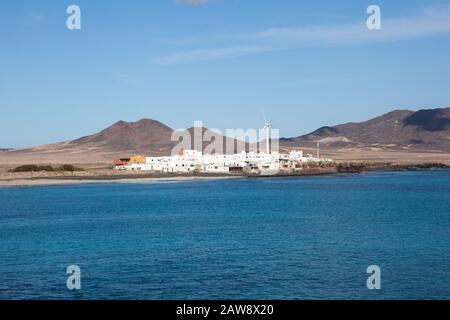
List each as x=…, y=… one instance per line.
x=425, y=130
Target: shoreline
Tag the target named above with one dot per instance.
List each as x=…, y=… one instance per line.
x=41, y=182
x=39, y=179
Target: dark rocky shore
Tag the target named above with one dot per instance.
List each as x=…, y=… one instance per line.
x=360, y=167
x=356, y=167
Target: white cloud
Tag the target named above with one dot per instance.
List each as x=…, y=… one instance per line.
x=431, y=22
x=207, y=55
x=193, y=3
x=37, y=16
x=123, y=78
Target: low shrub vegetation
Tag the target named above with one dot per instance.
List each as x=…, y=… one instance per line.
x=68, y=167
x=36, y=168
x=32, y=168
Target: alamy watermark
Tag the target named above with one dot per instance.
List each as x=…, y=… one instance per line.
x=374, y=280
x=233, y=141
x=74, y=279
x=374, y=20
x=73, y=22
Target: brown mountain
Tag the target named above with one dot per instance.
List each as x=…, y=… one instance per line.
x=145, y=136
x=122, y=139
x=396, y=130
x=142, y=136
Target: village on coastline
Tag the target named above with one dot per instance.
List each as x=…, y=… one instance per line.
x=194, y=161
x=253, y=162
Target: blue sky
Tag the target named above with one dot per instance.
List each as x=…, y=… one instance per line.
x=306, y=63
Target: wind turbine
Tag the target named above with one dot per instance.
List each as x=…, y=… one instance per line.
x=267, y=127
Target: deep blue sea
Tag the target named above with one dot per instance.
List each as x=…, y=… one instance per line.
x=289, y=238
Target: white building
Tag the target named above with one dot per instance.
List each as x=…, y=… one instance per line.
x=194, y=161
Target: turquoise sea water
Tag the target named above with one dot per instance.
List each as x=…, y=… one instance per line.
x=290, y=238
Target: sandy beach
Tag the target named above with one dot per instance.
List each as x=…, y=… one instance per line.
x=13, y=179
x=49, y=182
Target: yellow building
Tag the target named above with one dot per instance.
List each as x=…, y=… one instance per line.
x=137, y=159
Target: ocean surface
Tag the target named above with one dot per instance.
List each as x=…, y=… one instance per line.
x=289, y=238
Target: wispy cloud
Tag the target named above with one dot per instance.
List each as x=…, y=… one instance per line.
x=193, y=3
x=123, y=78
x=37, y=16
x=207, y=55
x=430, y=22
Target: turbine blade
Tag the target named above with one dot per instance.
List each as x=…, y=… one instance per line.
x=264, y=116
